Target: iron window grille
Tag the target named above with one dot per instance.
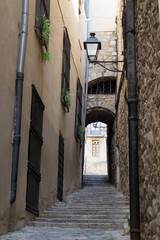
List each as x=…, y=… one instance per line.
x=65, y=86
x=42, y=13
x=103, y=87
x=34, y=153
x=60, y=168
x=78, y=117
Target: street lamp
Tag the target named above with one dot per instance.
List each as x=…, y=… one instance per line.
x=92, y=46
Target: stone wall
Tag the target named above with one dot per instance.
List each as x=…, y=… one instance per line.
x=108, y=53
x=148, y=75
x=106, y=101
x=119, y=148
x=120, y=161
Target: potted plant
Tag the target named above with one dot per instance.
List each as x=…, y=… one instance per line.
x=80, y=132
x=45, y=30
x=66, y=99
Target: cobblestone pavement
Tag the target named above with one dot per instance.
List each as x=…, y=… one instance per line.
x=96, y=212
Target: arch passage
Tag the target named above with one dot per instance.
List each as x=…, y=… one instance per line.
x=100, y=114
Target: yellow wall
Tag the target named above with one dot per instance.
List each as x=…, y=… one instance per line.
x=47, y=79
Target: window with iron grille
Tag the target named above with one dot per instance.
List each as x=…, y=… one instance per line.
x=60, y=168
x=34, y=153
x=78, y=117
x=103, y=87
x=65, y=87
x=95, y=148
x=42, y=13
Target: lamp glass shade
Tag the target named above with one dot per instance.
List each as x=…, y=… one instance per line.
x=92, y=51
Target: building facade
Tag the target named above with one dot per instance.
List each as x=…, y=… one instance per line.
x=52, y=107
x=147, y=86
x=96, y=149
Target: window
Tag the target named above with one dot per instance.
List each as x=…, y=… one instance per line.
x=60, y=168
x=65, y=87
x=42, y=13
x=95, y=148
x=78, y=117
x=103, y=87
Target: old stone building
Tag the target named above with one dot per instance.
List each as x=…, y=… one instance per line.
x=47, y=164
x=147, y=49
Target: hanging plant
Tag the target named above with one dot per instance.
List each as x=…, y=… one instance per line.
x=68, y=98
x=80, y=132
x=46, y=29
x=45, y=56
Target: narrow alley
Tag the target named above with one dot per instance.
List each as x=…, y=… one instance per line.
x=95, y=212
x=80, y=120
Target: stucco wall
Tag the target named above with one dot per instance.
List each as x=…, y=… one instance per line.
x=96, y=164
x=47, y=79
x=102, y=15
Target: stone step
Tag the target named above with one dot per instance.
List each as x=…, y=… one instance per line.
x=82, y=220
x=83, y=216
x=106, y=226
x=94, y=207
x=88, y=211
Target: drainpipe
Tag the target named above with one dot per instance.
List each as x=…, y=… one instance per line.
x=18, y=98
x=86, y=97
x=133, y=123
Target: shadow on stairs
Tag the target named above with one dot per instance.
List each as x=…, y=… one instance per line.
x=95, y=180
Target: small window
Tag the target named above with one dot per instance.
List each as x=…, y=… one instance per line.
x=95, y=148
x=103, y=87
x=42, y=13
x=60, y=168
x=78, y=117
x=65, y=87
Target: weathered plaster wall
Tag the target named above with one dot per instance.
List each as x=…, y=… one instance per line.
x=47, y=79
x=148, y=75
x=96, y=164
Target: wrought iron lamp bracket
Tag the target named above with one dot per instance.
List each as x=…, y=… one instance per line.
x=107, y=62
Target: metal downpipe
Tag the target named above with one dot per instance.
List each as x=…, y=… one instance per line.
x=18, y=98
x=133, y=123
x=85, y=102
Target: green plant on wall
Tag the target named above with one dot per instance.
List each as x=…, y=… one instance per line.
x=45, y=56
x=80, y=132
x=67, y=98
x=46, y=29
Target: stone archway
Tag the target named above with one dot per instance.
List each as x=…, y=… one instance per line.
x=100, y=114
x=104, y=115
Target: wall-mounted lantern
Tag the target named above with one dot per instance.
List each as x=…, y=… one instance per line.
x=92, y=46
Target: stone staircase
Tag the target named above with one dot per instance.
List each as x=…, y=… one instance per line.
x=98, y=205
x=95, y=212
